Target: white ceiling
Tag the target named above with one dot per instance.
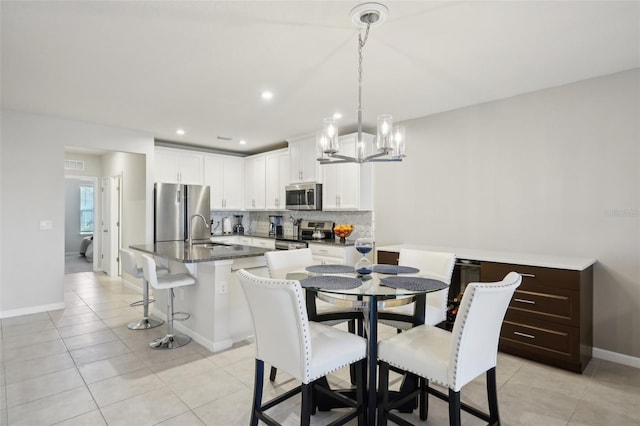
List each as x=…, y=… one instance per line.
x=201, y=65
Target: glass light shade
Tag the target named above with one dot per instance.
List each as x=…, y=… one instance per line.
x=383, y=137
x=397, y=142
x=361, y=149
x=330, y=136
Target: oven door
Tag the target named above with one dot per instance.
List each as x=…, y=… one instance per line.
x=290, y=244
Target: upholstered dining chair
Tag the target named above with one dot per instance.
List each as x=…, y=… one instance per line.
x=308, y=351
x=291, y=264
x=451, y=359
x=432, y=264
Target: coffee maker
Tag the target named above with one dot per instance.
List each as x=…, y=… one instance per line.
x=238, y=228
x=275, y=225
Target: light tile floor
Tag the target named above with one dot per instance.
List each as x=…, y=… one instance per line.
x=82, y=366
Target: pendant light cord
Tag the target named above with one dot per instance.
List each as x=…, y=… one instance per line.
x=361, y=42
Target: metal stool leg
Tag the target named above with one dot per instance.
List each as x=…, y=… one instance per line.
x=171, y=340
x=145, y=323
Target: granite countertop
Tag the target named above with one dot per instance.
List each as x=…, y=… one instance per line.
x=210, y=252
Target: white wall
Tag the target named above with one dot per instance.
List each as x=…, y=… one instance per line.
x=32, y=189
x=555, y=171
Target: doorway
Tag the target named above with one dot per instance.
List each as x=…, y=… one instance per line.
x=80, y=202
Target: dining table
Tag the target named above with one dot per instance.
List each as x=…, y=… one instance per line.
x=385, y=287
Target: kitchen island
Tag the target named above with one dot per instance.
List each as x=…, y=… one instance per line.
x=219, y=313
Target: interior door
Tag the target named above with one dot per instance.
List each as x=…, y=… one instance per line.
x=105, y=260
x=116, y=215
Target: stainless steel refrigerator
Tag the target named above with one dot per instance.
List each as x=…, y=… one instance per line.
x=175, y=206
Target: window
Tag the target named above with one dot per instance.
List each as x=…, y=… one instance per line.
x=86, y=209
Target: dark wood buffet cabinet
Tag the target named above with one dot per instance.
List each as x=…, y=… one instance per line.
x=550, y=317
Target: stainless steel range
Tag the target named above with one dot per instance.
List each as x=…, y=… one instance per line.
x=316, y=230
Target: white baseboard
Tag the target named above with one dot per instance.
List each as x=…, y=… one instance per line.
x=616, y=357
x=31, y=310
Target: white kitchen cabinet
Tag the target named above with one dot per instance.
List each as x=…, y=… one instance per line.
x=334, y=254
x=225, y=176
x=255, y=185
x=179, y=166
x=303, y=165
x=246, y=240
x=277, y=177
x=348, y=186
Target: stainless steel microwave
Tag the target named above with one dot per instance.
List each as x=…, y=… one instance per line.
x=304, y=196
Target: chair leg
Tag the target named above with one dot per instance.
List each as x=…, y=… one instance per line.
x=454, y=408
x=307, y=402
x=383, y=390
x=272, y=374
x=424, y=399
x=257, y=392
x=492, y=396
x=360, y=391
x=145, y=323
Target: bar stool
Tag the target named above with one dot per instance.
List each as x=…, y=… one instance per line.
x=168, y=282
x=128, y=262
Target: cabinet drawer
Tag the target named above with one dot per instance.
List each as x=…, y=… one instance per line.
x=549, y=340
x=327, y=250
x=549, y=277
x=328, y=260
x=546, y=303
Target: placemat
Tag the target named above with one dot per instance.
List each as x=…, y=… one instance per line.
x=413, y=283
x=330, y=269
x=330, y=282
x=395, y=269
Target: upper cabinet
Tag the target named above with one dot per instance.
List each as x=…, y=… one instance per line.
x=255, y=182
x=225, y=176
x=348, y=186
x=303, y=166
x=277, y=177
x=179, y=166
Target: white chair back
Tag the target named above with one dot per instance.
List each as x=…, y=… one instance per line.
x=149, y=270
x=435, y=265
x=432, y=264
x=128, y=262
x=282, y=336
x=474, y=343
x=281, y=262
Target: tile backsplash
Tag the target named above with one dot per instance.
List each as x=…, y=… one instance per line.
x=258, y=222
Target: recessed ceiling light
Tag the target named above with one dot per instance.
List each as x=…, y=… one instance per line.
x=337, y=115
x=243, y=142
x=180, y=132
x=267, y=95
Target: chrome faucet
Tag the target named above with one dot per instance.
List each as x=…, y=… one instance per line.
x=190, y=239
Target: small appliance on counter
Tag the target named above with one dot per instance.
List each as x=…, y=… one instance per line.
x=238, y=228
x=227, y=229
x=316, y=230
x=275, y=225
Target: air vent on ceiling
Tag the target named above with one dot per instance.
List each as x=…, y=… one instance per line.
x=73, y=165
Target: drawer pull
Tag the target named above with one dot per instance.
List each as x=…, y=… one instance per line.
x=530, y=302
x=530, y=336
x=528, y=275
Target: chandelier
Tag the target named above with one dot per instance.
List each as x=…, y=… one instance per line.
x=390, y=140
